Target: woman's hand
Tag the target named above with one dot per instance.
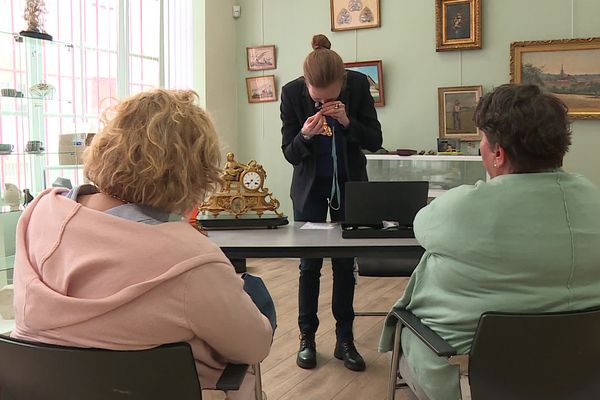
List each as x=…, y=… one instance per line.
x=336, y=110
x=313, y=125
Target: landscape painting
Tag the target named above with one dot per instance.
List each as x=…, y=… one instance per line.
x=261, y=89
x=374, y=72
x=570, y=69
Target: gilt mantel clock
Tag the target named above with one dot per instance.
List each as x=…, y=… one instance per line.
x=242, y=198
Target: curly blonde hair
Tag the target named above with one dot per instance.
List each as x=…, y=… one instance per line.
x=160, y=150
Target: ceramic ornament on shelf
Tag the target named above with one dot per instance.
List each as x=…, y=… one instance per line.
x=12, y=196
x=34, y=16
x=27, y=197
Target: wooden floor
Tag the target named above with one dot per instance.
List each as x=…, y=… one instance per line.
x=282, y=379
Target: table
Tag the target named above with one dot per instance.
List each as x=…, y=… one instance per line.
x=292, y=242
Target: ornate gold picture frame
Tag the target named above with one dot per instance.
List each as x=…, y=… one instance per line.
x=458, y=24
x=354, y=14
x=456, y=107
x=567, y=68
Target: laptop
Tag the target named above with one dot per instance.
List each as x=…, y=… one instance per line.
x=369, y=204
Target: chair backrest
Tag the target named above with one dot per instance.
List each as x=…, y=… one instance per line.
x=35, y=371
x=536, y=356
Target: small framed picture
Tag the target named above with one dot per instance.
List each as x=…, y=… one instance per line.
x=458, y=24
x=354, y=14
x=261, y=57
x=567, y=68
x=456, y=110
x=374, y=72
x=470, y=148
x=445, y=145
x=261, y=89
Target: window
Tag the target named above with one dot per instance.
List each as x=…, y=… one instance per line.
x=102, y=50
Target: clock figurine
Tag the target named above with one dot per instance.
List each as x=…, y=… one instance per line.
x=241, y=193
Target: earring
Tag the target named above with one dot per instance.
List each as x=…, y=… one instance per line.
x=495, y=165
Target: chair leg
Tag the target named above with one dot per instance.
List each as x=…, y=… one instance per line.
x=258, y=392
x=465, y=388
x=394, y=366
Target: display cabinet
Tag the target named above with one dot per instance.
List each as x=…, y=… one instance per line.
x=39, y=127
x=443, y=172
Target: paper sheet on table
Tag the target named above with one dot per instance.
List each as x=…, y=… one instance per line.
x=390, y=224
x=318, y=225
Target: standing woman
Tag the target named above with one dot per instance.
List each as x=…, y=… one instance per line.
x=328, y=117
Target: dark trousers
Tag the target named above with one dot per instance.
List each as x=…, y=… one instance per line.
x=315, y=210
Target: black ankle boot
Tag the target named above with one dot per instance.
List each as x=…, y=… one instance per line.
x=347, y=352
x=307, y=355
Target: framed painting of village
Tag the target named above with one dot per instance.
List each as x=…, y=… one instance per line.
x=567, y=68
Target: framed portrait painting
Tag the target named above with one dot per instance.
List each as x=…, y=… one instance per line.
x=567, y=68
x=261, y=89
x=261, y=58
x=374, y=72
x=456, y=110
x=458, y=24
x=354, y=14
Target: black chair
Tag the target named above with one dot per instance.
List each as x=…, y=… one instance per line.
x=547, y=356
x=398, y=266
x=37, y=371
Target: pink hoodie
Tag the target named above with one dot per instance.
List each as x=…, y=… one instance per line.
x=86, y=278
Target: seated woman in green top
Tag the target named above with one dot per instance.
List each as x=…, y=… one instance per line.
x=524, y=241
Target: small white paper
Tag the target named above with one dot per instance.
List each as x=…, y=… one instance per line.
x=319, y=225
x=390, y=224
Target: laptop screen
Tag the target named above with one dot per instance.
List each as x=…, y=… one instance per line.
x=370, y=203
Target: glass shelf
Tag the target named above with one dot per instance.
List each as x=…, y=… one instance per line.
x=4, y=209
x=55, y=167
x=35, y=99
x=42, y=153
x=48, y=115
x=23, y=39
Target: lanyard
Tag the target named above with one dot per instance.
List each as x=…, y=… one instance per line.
x=335, y=185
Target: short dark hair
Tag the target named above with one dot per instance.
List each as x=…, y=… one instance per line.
x=529, y=124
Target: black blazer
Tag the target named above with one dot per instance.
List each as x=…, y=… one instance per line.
x=364, y=132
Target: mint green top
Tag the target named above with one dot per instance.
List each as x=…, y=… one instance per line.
x=517, y=243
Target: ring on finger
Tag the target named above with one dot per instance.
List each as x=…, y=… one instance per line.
x=337, y=105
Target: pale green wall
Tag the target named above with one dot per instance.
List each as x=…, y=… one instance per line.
x=215, y=76
x=413, y=70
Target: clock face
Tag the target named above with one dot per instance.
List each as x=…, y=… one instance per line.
x=252, y=180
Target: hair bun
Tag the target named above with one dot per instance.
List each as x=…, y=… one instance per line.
x=320, y=42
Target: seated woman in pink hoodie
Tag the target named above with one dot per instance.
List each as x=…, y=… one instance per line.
x=101, y=266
